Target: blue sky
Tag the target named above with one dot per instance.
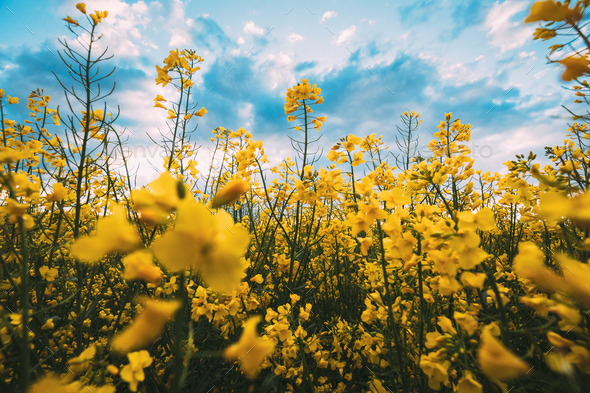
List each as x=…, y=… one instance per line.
x=373, y=60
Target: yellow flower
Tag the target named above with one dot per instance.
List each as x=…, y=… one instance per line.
x=395, y=197
x=81, y=363
x=466, y=322
x=358, y=159
x=133, y=372
x=468, y=384
x=575, y=67
x=257, y=279
x=365, y=243
x=12, y=100
x=474, y=280
x=113, y=234
x=230, y=193
x=47, y=273
x=201, y=112
x=496, y=361
x=558, y=341
x=437, y=371
x=446, y=325
x=81, y=7
x=484, y=219
x=58, y=194
x=377, y=386
x=251, y=350
x=48, y=324
x=529, y=264
x=98, y=16
x=49, y=384
x=147, y=326
x=163, y=196
x=158, y=105
x=139, y=266
x=333, y=155
x=294, y=298
x=72, y=21
x=576, y=278
x=211, y=243
x=550, y=11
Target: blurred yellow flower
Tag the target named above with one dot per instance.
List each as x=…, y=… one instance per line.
x=213, y=244
x=575, y=67
x=147, y=326
x=71, y=21
x=466, y=321
x=529, y=264
x=113, y=234
x=474, y=280
x=58, y=194
x=139, y=265
x=133, y=372
x=257, y=279
x=394, y=197
x=550, y=11
x=47, y=273
x=12, y=100
x=201, y=112
x=230, y=193
x=81, y=7
x=48, y=325
x=154, y=205
x=496, y=361
x=251, y=350
x=468, y=384
x=81, y=362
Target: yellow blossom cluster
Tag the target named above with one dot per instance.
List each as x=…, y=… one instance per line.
x=349, y=272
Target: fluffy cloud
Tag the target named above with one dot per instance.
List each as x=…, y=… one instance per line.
x=504, y=31
x=251, y=28
x=345, y=35
x=327, y=15
x=293, y=38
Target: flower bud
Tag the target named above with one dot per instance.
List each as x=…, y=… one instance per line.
x=230, y=193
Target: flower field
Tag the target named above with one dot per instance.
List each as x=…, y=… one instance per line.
x=369, y=273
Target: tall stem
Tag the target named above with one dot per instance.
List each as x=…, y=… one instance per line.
x=178, y=337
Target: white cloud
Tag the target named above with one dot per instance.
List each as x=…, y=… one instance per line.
x=372, y=22
x=125, y=26
x=524, y=55
x=406, y=35
x=539, y=74
x=480, y=57
x=345, y=35
x=503, y=32
x=327, y=15
x=240, y=40
x=490, y=149
x=293, y=38
x=278, y=70
x=246, y=112
x=180, y=34
x=251, y=28
x=205, y=15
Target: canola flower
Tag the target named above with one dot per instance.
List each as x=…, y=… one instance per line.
x=355, y=275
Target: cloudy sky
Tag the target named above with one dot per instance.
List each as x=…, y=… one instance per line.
x=372, y=59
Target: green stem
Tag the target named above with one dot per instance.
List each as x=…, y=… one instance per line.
x=178, y=333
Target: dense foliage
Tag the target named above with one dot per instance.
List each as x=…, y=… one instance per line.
x=356, y=276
